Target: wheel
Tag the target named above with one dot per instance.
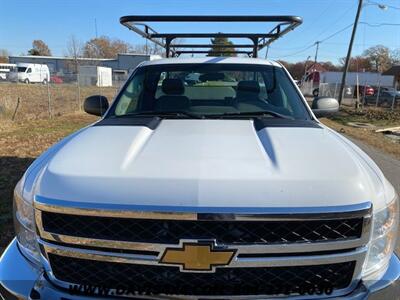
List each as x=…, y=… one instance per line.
x=315, y=92
x=26, y=81
x=44, y=81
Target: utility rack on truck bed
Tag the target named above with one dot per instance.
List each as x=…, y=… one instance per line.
x=281, y=25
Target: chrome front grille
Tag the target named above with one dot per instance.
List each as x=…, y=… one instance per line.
x=223, y=231
x=267, y=243
x=224, y=282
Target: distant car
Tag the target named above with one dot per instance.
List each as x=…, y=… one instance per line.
x=390, y=90
x=364, y=91
x=385, y=98
x=56, y=79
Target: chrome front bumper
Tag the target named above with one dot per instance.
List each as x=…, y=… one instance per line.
x=20, y=279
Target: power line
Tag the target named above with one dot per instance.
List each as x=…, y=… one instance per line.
x=298, y=52
x=383, y=5
x=380, y=24
x=334, y=22
x=321, y=32
x=337, y=32
x=318, y=42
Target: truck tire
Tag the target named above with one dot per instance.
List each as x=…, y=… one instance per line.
x=45, y=81
x=26, y=81
x=315, y=92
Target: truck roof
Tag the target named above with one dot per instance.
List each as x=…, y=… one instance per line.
x=212, y=60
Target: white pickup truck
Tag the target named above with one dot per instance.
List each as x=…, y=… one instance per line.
x=207, y=178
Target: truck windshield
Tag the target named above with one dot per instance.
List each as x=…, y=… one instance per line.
x=21, y=69
x=210, y=90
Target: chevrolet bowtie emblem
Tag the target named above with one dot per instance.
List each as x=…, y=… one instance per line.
x=197, y=257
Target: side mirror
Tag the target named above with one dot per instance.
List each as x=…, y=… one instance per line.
x=324, y=106
x=96, y=105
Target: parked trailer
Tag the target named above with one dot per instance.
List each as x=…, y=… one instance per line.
x=312, y=82
x=95, y=75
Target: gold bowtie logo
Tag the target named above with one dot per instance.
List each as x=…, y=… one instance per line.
x=197, y=257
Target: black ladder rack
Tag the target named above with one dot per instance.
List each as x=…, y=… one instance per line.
x=259, y=41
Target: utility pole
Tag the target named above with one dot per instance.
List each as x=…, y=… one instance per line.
x=346, y=66
x=316, y=51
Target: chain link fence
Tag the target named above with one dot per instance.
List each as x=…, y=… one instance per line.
x=363, y=95
x=61, y=95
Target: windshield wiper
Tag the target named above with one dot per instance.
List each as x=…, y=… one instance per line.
x=161, y=114
x=251, y=114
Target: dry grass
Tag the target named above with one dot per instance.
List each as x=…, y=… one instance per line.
x=20, y=143
x=34, y=99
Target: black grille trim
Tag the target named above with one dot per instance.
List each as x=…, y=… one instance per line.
x=225, y=281
x=223, y=231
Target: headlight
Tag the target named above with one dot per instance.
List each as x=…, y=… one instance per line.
x=25, y=225
x=383, y=241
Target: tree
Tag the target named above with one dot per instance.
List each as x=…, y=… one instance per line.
x=357, y=64
x=395, y=57
x=329, y=66
x=4, y=56
x=74, y=50
x=150, y=49
x=39, y=48
x=379, y=58
x=104, y=47
x=216, y=50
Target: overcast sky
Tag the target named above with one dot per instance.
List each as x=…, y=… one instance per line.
x=54, y=21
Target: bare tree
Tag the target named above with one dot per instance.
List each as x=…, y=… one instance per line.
x=379, y=57
x=395, y=57
x=150, y=49
x=74, y=50
x=358, y=64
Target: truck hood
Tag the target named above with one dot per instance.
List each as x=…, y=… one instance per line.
x=208, y=163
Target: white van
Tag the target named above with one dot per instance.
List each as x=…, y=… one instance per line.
x=31, y=73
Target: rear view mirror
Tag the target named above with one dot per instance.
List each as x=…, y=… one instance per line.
x=324, y=106
x=96, y=105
